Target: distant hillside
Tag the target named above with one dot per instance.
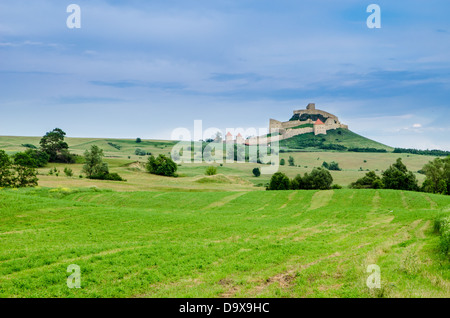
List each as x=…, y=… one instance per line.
x=333, y=140
x=338, y=139
x=111, y=147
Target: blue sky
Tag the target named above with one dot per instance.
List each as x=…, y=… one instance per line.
x=143, y=68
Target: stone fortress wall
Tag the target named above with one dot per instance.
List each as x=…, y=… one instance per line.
x=286, y=130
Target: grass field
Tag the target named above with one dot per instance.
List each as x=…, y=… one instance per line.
x=217, y=236
x=126, y=163
x=221, y=244
x=239, y=174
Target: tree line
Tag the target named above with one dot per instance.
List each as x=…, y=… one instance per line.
x=317, y=179
x=434, y=152
x=398, y=177
x=19, y=170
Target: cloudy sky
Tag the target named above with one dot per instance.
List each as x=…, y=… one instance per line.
x=142, y=68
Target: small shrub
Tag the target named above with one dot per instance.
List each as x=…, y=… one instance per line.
x=442, y=226
x=256, y=172
x=107, y=176
x=29, y=146
x=331, y=166
x=140, y=152
x=282, y=162
x=211, y=170
x=68, y=172
x=291, y=161
x=114, y=145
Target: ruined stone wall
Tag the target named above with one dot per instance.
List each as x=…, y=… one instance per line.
x=275, y=124
x=299, y=131
x=315, y=112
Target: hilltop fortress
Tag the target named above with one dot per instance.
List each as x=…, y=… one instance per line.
x=309, y=120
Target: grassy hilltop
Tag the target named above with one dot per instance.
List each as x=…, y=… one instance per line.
x=338, y=137
x=119, y=148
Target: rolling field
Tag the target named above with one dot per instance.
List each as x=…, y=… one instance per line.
x=221, y=244
x=236, y=176
x=217, y=236
x=122, y=159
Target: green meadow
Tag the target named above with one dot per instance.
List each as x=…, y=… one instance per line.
x=217, y=236
x=221, y=244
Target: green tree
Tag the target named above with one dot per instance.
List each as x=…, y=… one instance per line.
x=291, y=161
x=94, y=165
x=398, y=177
x=54, y=145
x=297, y=183
x=437, y=174
x=282, y=162
x=26, y=177
x=24, y=159
x=39, y=156
x=256, y=172
x=138, y=140
x=15, y=175
x=279, y=181
x=161, y=165
x=6, y=176
x=369, y=181
x=319, y=178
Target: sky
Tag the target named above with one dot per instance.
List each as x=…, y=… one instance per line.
x=142, y=68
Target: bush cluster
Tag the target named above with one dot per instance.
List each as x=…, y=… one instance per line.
x=442, y=226
x=161, y=165
x=331, y=166
x=95, y=168
x=319, y=178
x=16, y=174
x=396, y=177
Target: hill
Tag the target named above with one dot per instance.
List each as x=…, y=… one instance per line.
x=337, y=139
x=112, y=147
x=221, y=244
